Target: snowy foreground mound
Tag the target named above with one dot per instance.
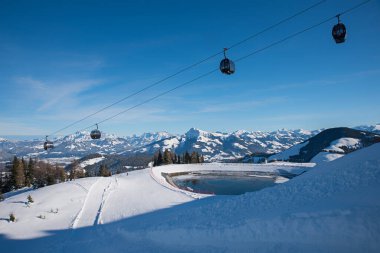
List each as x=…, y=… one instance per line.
x=334, y=207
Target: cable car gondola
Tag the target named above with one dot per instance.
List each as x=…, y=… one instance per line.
x=339, y=32
x=48, y=144
x=226, y=65
x=95, y=134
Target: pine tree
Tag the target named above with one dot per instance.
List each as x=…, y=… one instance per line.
x=103, y=171
x=1, y=196
x=167, y=157
x=159, y=158
x=187, y=158
x=30, y=199
x=25, y=168
x=29, y=174
x=12, y=217
x=155, y=157
x=72, y=175
x=18, y=176
x=193, y=158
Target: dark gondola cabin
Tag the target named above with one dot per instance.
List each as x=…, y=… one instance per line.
x=226, y=65
x=95, y=134
x=339, y=32
x=48, y=144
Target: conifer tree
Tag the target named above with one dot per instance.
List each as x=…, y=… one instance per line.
x=29, y=173
x=193, y=158
x=1, y=196
x=103, y=171
x=30, y=199
x=167, y=157
x=72, y=175
x=155, y=157
x=159, y=158
x=12, y=217
x=18, y=176
x=187, y=158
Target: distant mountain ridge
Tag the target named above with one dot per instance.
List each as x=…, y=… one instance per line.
x=215, y=146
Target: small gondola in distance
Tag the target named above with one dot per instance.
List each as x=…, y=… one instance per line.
x=95, y=134
x=48, y=144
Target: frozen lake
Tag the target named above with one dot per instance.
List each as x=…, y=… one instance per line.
x=220, y=184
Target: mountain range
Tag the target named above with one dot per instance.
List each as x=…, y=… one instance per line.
x=215, y=146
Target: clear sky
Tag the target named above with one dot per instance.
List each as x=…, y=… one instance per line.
x=63, y=60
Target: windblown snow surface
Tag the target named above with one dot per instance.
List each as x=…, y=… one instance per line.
x=333, y=207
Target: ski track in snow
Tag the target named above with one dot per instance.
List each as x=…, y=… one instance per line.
x=83, y=215
x=91, y=211
x=106, y=193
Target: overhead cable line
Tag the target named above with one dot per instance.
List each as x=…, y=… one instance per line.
x=192, y=65
x=239, y=59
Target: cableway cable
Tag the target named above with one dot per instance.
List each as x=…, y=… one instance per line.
x=239, y=59
x=191, y=66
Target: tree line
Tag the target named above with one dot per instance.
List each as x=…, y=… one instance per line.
x=36, y=174
x=31, y=173
x=169, y=157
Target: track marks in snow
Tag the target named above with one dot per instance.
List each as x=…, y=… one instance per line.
x=107, y=192
x=91, y=211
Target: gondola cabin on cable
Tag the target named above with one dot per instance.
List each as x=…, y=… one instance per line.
x=226, y=65
x=48, y=144
x=95, y=134
x=339, y=32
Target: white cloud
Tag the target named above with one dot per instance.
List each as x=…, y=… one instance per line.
x=54, y=93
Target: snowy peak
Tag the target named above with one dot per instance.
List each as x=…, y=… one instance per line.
x=194, y=133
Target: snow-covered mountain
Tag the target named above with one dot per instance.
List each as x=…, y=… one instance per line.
x=328, y=145
x=222, y=146
x=373, y=128
x=77, y=145
x=213, y=145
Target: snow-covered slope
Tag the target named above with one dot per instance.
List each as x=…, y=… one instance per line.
x=332, y=208
x=328, y=145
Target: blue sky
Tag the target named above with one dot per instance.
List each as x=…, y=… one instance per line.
x=63, y=60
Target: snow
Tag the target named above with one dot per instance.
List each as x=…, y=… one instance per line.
x=239, y=146
x=333, y=207
x=347, y=142
x=91, y=161
x=295, y=150
x=325, y=157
